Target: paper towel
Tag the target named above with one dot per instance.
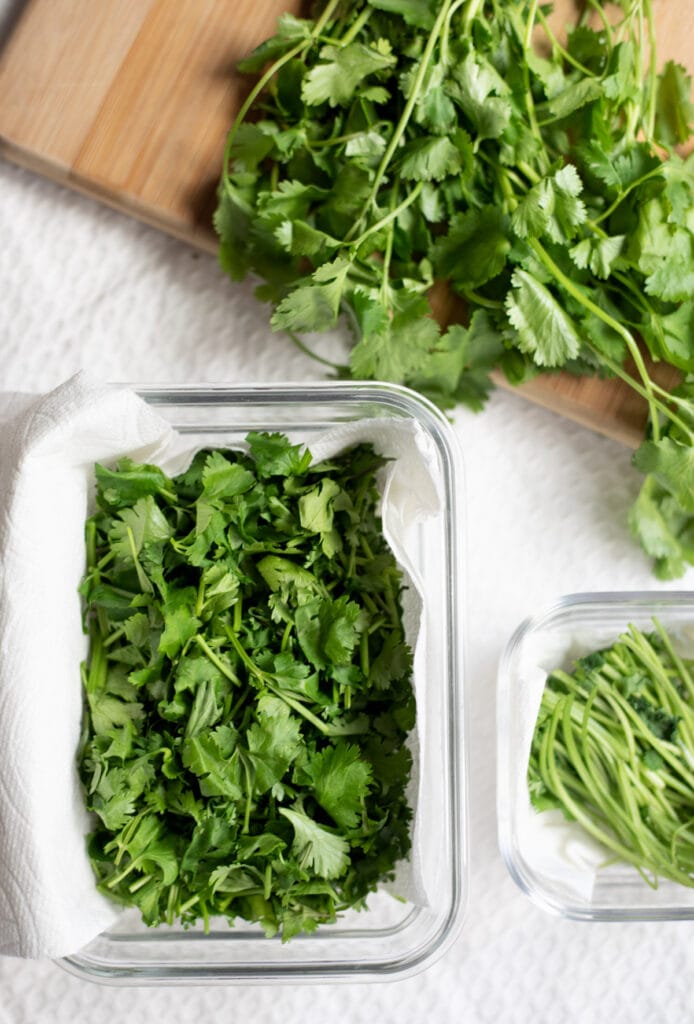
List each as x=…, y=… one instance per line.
x=48, y=902
x=49, y=905
x=555, y=849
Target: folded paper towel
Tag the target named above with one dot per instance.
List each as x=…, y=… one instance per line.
x=49, y=905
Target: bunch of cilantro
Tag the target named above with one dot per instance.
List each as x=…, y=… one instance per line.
x=248, y=688
x=391, y=146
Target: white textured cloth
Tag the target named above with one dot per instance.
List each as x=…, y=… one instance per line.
x=49, y=905
x=545, y=515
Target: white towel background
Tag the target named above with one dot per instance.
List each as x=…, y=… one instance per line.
x=83, y=287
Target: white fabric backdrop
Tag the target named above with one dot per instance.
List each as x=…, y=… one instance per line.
x=84, y=287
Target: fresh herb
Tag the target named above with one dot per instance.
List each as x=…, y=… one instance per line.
x=391, y=146
x=248, y=688
x=614, y=750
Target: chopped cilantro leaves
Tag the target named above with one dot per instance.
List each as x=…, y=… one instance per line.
x=243, y=657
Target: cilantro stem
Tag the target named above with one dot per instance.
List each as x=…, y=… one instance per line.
x=364, y=655
x=588, y=304
x=656, y=172
x=96, y=677
x=297, y=706
x=684, y=674
x=115, y=635
x=470, y=15
x=216, y=661
x=286, y=636
x=529, y=102
x=569, y=58
x=267, y=77
x=650, y=105
x=249, y=796
x=388, y=250
x=472, y=296
x=388, y=217
x=303, y=347
x=600, y=11
x=357, y=25
x=404, y=119
x=445, y=35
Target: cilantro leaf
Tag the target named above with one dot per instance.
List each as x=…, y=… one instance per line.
x=674, y=107
x=316, y=847
x=672, y=465
x=222, y=677
x=341, y=780
x=341, y=69
x=544, y=329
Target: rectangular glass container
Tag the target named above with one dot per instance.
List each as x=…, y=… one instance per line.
x=551, y=864
x=392, y=938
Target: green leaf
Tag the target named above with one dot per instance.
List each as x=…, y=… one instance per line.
x=328, y=631
x=314, y=307
x=341, y=780
x=482, y=94
x=252, y=143
x=418, y=13
x=290, y=30
x=316, y=506
x=275, y=456
x=672, y=464
x=274, y=741
x=394, y=344
x=575, y=96
x=192, y=671
x=223, y=478
x=281, y=573
x=180, y=624
x=316, y=847
x=430, y=158
x=208, y=757
x=601, y=255
x=475, y=248
x=142, y=524
x=674, y=107
x=670, y=336
x=544, y=329
x=121, y=487
x=335, y=79
x=108, y=711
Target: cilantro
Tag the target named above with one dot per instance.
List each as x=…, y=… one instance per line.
x=613, y=748
x=246, y=647
x=395, y=148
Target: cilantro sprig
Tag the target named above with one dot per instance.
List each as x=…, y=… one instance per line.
x=248, y=689
x=391, y=147
x=613, y=749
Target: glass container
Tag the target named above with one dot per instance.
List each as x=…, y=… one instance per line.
x=550, y=859
x=393, y=938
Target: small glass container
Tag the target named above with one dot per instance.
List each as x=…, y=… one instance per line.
x=550, y=859
x=393, y=938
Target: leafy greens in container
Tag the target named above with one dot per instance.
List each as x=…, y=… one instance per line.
x=248, y=688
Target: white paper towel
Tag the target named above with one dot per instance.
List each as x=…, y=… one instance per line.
x=49, y=905
x=554, y=848
x=48, y=445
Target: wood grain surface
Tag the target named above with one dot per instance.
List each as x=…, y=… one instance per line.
x=130, y=101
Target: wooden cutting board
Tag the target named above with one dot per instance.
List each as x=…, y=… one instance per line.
x=130, y=101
